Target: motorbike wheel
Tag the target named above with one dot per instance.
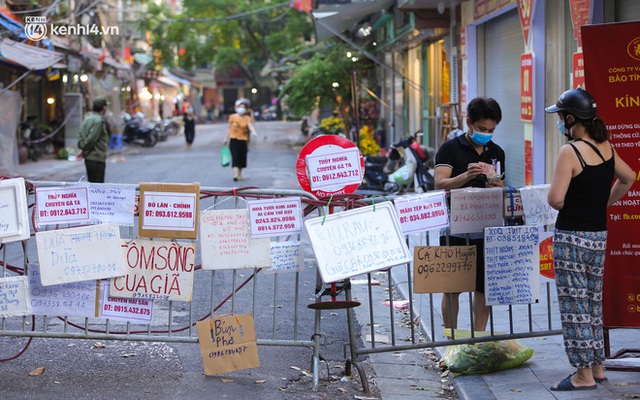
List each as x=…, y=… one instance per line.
x=151, y=140
x=170, y=130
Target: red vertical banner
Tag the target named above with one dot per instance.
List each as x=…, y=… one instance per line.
x=528, y=163
x=580, y=15
x=525, y=11
x=578, y=70
x=612, y=76
x=526, y=87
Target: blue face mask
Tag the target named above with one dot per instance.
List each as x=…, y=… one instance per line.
x=480, y=138
x=563, y=130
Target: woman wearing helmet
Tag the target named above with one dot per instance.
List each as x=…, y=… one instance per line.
x=581, y=190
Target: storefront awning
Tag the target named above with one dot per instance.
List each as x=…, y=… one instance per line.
x=168, y=81
x=341, y=17
x=30, y=57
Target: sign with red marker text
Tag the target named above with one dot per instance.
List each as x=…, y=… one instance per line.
x=112, y=203
x=79, y=254
x=156, y=269
x=226, y=243
x=121, y=309
x=15, y=299
x=14, y=214
x=537, y=210
x=275, y=217
x=335, y=169
x=423, y=212
x=62, y=205
x=76, y=299
x=473, y=209
x=169, y=210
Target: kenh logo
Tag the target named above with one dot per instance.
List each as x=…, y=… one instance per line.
x=35, y=28
x=633, y=48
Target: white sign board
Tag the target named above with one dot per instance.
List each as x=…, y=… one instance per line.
x=357, y=241
x=337, y=168
x=275, y=217
x=130, y=310
x=512, y=265
x=286, y=257
x=473, y=209
x=156, y=270
x=14, y=296
x=169, y=211
x=79, y=254
x=62, y=205
x=422, y=212
x=14, y=215
x=226, y=243
x=77, y=299
x=112, y=203
x=537, y=210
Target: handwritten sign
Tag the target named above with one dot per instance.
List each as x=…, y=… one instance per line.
x=423, y=212
x=226, y=243
x=77, y=299
x=357, y=241
x=79, y=254
x=474, y=209
x=444, y=269
x=14, y=215
x=286, y=257
x=275, y=217
x=169, y=210
x=112, y=203
x=156, y=269
x=537, y=210
x=130, y=310
x=512, y=260
x=62, y=205
x=336, y=169
x=14, y=296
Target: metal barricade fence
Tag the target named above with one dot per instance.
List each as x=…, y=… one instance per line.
x=278, y=321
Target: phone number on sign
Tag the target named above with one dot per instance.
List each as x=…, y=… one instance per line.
x=274, y=219
x=132, y=310
x=89, y=269
x=168, y=214
x=63, y=212
x=336, y=175
x=277, y=227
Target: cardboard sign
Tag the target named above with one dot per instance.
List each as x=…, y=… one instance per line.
x=474, y=209
x=112, y=203
x=79, y=254
x=537, y=210
x=512, y=265
x=77, y=299
x=228, y=343
x=14, y=215
x=357, y=241
x=444, y=269
x=423, y=212
x=156, y=269
x=62, y=205
x=15, y=300
x=169, y=210
x=286, y=257
x=226, y=243
x=275, y=217
x=130, y=310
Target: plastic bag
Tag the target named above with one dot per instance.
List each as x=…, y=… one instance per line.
x=485, y=357
x=225, y=156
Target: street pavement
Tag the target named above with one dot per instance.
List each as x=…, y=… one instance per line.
x=415, y=374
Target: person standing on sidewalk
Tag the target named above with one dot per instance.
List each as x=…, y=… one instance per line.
x=581, y=190
x=93, y=139
x=462, y=162
x=238, y=135
x=189, y=128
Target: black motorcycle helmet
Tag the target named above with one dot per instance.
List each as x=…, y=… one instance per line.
x=576, y=102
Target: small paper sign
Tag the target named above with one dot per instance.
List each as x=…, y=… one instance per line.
x=77, y=299
x=537, y=210
x=169, y=210
x=423, y=212
x=337, y=169
x=79, y=254
x=15, y=300
x=14, y=215
x=112, y=203
x=444, y=269
x=286, y=257
x=474, y=209
x=275, y=217
x=130, y=310
x=62, y=205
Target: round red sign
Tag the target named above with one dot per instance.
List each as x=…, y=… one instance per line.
x=329, y=165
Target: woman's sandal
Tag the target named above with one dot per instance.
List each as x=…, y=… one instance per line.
x=566, y=385
x=601, y=380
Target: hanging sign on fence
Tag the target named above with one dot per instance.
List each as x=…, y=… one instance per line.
x=512, y=260
x=226, y=243
x=169, y=210
x=474, y=209
x=15, y=300
x=547, y=273
x=444, y=269
x=275, y=217
x=537, y=210
x=76, y=299
x=357, y=241
x=286, y=257
x=156, y=269
x=422, y=212
x=131, y=310
x=79, y=254
x=14, y=215
x=62, y=205
x=112, y=203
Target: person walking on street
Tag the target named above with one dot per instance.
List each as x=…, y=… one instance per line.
x=93, y=139
x=581, y=191
x=471, y=160
x=238, y=135
x=189, y=128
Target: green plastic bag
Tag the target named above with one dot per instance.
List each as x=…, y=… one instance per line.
x=225, y=156
x=481, y=358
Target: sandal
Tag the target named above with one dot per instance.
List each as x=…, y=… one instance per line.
x=601, y=380
x=566, y=385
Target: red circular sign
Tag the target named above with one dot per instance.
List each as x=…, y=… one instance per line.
x=328, y=165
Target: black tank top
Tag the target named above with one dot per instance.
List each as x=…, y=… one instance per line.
x=585, y=204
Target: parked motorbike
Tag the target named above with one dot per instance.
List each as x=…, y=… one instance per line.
x=168, y=127
x=405, y=163
x=138, y=130
x=32, y=139
x=266, y=113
